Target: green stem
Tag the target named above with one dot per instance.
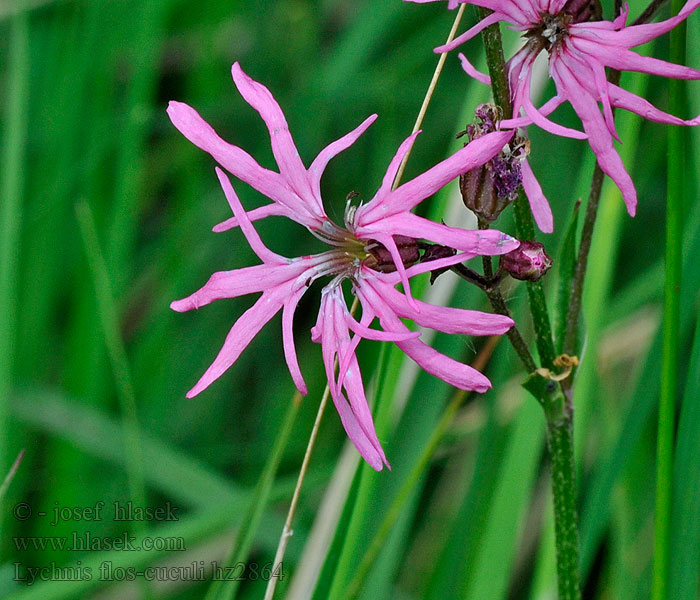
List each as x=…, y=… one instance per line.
x=496, y=61
x=524, y=223
x=558, y=412
x=516, y=339
x=669, y=368
x=561, y=451
x=535, y=290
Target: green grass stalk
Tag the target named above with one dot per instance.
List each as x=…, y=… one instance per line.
x=13, y=175
x=109, y=321
x=671, y=325
x=240, y=550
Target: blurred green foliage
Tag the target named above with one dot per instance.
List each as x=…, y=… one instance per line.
x=85, y=86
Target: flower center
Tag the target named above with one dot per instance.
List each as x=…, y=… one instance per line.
x=551, y=30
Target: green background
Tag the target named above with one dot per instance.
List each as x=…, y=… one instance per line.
x=85, y=84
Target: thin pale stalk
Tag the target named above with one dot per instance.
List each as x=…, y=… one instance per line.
x=277, y=565
x=429, y=94
x=240, y=550
x=671, y=325
x=11, y=474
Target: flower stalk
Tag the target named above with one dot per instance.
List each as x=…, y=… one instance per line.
x=561, y=451
x=558, y=413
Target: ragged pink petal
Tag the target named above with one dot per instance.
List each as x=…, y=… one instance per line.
x=355, y=416
x=629, y=101
x=408, y=195
x=243, y=331
x=352, y=381
x=449, y=370
x=598, y=135
x=622, y=59
x=269, y=210
x=635, y=35
x=445, y=319
x=546, y=109
x=451, y=3
x=239, y=282
x=263, y=252
x=393, y=168
x=472, y=71
x=388, y=242
x=290, y=354
x=538, y=202
x=486, y=242
x=470, y=33
x=232, y=158
x=355, y=433
x=321, y=161
x=283, y=147
x=522, y=99
x=455, y=373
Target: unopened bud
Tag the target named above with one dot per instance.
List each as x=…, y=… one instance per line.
x=380, y=258
x=489, y=189
x=434, y=252
x=528, y=262
x=584, y=10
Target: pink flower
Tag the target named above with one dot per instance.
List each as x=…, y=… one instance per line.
x=579, y=50
x=353, y=256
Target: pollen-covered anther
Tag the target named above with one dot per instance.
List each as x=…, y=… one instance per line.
x=551, y=30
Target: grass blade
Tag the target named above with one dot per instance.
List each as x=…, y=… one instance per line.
x=13, y=176
x=117, y=354
x=225, y=589
x=672, y=296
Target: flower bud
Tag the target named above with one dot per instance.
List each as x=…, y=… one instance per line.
x=584, y=10
x=380, y=258
x=489, y=189
x=435, y=252
x=528, y=262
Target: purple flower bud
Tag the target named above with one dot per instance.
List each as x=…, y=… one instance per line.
x=528, y=262
x=584, y=10
x=489, y=189
x=380, y=258
x=434, y=252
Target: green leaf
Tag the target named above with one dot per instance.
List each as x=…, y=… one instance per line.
x=567, y=265
x=684, y=575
